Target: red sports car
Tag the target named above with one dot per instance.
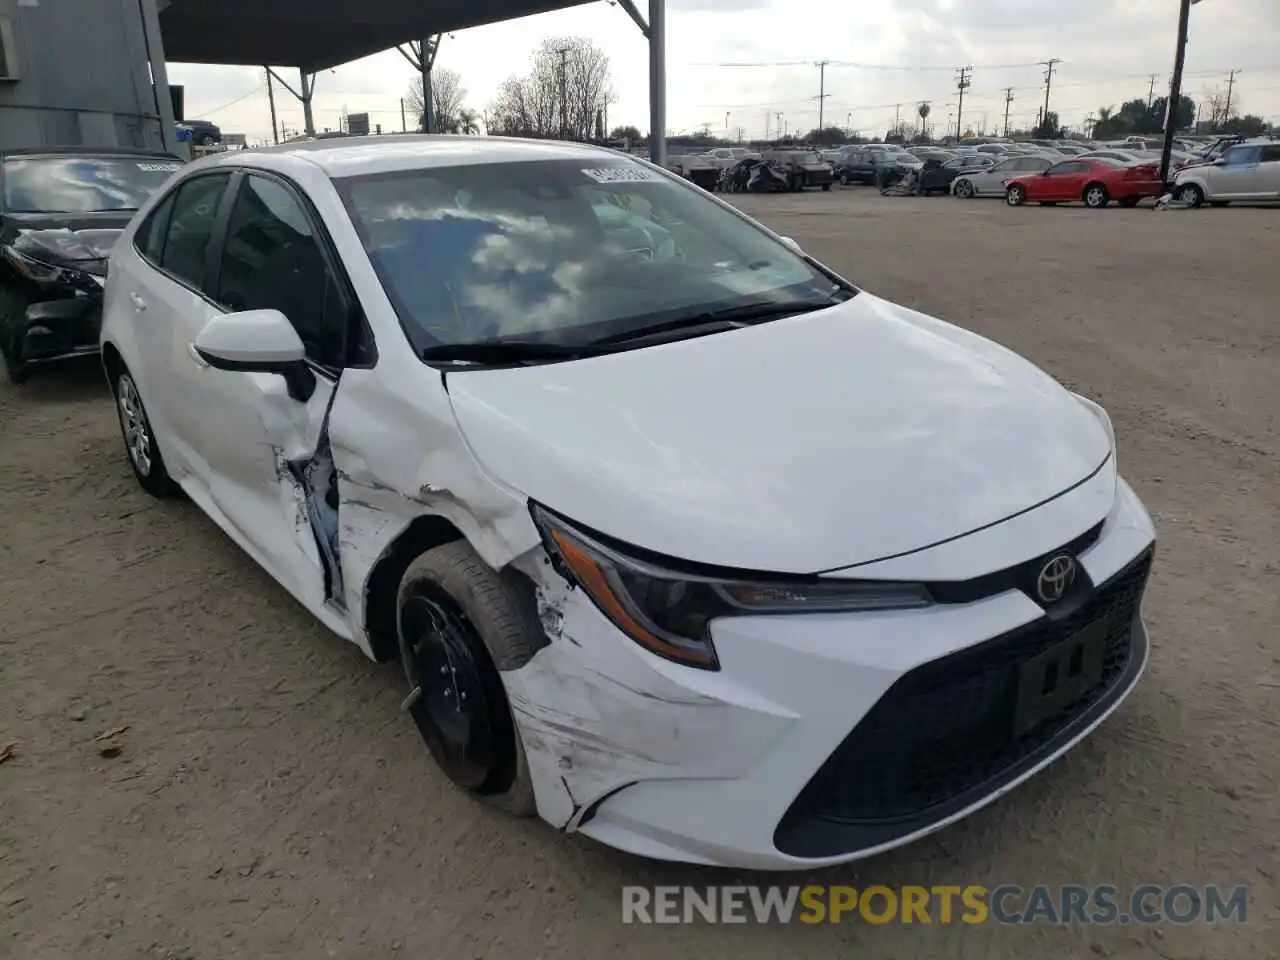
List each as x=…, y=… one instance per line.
x=1095, y=182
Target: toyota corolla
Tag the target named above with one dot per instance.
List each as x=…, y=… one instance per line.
x=682, y=540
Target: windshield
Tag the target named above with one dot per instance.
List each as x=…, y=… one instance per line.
x=562, y=251
x=82, y=184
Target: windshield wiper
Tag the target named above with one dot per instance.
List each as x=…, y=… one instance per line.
x=743, y=315
x=502, y=351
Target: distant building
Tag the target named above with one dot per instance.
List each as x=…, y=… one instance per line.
x=74, y=72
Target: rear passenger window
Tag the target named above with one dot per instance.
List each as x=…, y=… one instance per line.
x=272, y=261
x=186, y=245
x=150, y=236
x=1271, y=154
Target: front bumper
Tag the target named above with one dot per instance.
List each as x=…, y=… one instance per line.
x=823, y=738
x=57, y=329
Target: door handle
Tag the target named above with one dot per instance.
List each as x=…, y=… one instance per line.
x=194, y=354
x=138, y=302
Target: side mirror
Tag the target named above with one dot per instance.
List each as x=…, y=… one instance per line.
x=792, y=244
x=257, y=341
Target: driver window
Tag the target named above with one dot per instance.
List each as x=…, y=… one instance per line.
x=272, y=261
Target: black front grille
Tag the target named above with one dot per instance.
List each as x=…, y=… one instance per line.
x=945, y=733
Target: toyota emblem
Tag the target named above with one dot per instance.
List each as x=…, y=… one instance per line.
x=1056, y=578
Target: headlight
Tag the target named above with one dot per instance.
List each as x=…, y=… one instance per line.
x=31, y=268
x=668, y=611
x=1104, y=419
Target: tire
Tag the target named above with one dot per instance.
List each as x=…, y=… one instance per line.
x=1015, y=195
x=1190, y=193
x=1095, y=196
x=844, y=179
x=139, y=439
x=1129, y=202
x=456, y=616
x=826, y=187
x=964, y=190
x=12, y=307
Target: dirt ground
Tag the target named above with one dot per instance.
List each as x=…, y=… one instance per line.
x=271, y=801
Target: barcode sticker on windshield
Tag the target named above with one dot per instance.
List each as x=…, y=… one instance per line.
x=619, y=174
x=160, y=167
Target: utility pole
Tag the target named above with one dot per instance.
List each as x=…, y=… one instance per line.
x=564, y=92
x=271, y=101
x=1048, y=84
x=1008, y=101
x=404, y=125
x=962, y=84
x=777, y=130
x=1175, y=89
x=822, y=90
x=766, y=126
x=1231, y=82
x=726, y=123
x=1151, y=92
x=897, y=118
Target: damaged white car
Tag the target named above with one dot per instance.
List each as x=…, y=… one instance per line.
x=683, y=541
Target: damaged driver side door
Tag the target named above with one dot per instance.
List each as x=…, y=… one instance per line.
x=261, y=437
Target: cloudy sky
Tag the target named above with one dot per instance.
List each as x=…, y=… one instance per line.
x=742, y=63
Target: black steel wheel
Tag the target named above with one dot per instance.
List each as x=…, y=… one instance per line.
x=460, y=624
x=457, y=706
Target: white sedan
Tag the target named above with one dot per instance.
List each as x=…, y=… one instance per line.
x=683, y=541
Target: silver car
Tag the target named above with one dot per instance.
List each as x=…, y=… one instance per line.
x=1246, y=171
x=990, y=182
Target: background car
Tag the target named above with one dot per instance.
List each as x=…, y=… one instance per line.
x=991, y=181
x=940, y=177
x=60, y=212
x=1246, y=171
x=1094, y=182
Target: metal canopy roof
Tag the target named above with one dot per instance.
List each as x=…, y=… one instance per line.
x=316, y=35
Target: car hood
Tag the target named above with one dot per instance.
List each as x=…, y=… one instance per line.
x=816, y=442
x=74, y=245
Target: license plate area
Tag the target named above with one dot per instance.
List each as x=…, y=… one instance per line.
x=1059, y=676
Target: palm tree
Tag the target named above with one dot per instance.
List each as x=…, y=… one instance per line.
x=923, y=110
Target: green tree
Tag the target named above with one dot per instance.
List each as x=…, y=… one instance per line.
x=827, y=136
x=1049, y=128
x=625, y=133
x=1248, y=125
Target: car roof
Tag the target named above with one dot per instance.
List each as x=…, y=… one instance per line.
x=359, y=156
x=87, y=152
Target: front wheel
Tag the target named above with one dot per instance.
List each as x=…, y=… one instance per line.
x=1095, y=196
x=1015, y=195
x=1190, y=194
x=139, y=438
x=964, y=190
x=459, y=623
x=12, y=308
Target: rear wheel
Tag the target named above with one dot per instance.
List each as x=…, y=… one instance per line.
x=1015, y=195
x=139, y=439
x=1095, y=196
x=459, y=621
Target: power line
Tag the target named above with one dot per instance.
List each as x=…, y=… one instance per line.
x=232, y=103
x=858, y=65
